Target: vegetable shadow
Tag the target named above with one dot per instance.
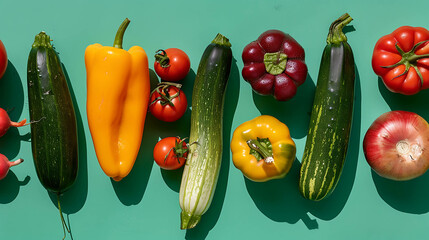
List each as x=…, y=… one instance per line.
x=12, y=100
x=413, y=103
x=74, y=199
x=180, y=128
x=409, y=196
x=131, y=189
x=9, y=187
x=281, y=201
x=406, y=196
x=210, y=218
x=295, y=113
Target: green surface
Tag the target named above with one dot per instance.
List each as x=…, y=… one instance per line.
x=145, y=205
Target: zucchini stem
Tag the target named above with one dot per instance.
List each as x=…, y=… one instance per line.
x=221, y=40
x=65, y=227
x=336, y=35
x=120, y=34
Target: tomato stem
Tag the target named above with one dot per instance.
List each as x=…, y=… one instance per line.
x=164, y=95
x=179, y=150
x=162, y=58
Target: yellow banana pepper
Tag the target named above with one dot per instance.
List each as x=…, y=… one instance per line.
x=118, y=89
x=263, y=149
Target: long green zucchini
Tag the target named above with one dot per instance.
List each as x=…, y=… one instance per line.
x=53, y=129
x=331, y=117
x=203, y=163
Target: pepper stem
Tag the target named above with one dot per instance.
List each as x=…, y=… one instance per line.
x=275, y=63
x=262, y=150
x=120, y=34
x=336, y=35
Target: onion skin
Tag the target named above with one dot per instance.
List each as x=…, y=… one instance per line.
x=395, y=145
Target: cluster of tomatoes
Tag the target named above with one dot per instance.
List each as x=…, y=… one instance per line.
x=169, y=103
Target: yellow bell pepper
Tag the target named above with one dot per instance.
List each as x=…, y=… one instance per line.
x=118, y=89
x=263, y=149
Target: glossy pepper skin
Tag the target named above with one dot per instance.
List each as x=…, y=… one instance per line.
x=263, y=149
x=117, y=100
x=274, y=64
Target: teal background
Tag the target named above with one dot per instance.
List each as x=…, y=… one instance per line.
x=145, y=205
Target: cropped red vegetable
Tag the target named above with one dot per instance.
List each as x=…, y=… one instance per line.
x=6, y=123
x=396, y=145
x=172, y=64
x=168, y=102
x=401, y=59
x=170, y=153
x=274, y=64
x=3, y=59
x=5, y=164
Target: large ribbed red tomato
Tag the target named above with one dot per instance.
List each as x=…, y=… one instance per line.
x=401, y=59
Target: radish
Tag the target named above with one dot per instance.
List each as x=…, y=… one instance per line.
x=5, y=122
x=5, y=164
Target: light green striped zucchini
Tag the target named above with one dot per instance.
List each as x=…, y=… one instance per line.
x=205, y=151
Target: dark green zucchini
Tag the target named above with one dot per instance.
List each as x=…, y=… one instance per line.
x=203, y=163
x=331, y=117
x=53, y=129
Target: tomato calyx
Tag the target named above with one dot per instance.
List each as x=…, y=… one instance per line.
x=162, y=58
x=409, y=59
x=179, y=150
x=164, y=95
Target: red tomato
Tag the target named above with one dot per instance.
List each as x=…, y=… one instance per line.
x=168, y=103
x=170, y=153
x=3, y=59
x=172, y=64
x=396, y=145
x=401, y=59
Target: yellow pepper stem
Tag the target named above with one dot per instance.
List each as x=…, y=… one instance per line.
x=120, y=34
x=263, y=151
